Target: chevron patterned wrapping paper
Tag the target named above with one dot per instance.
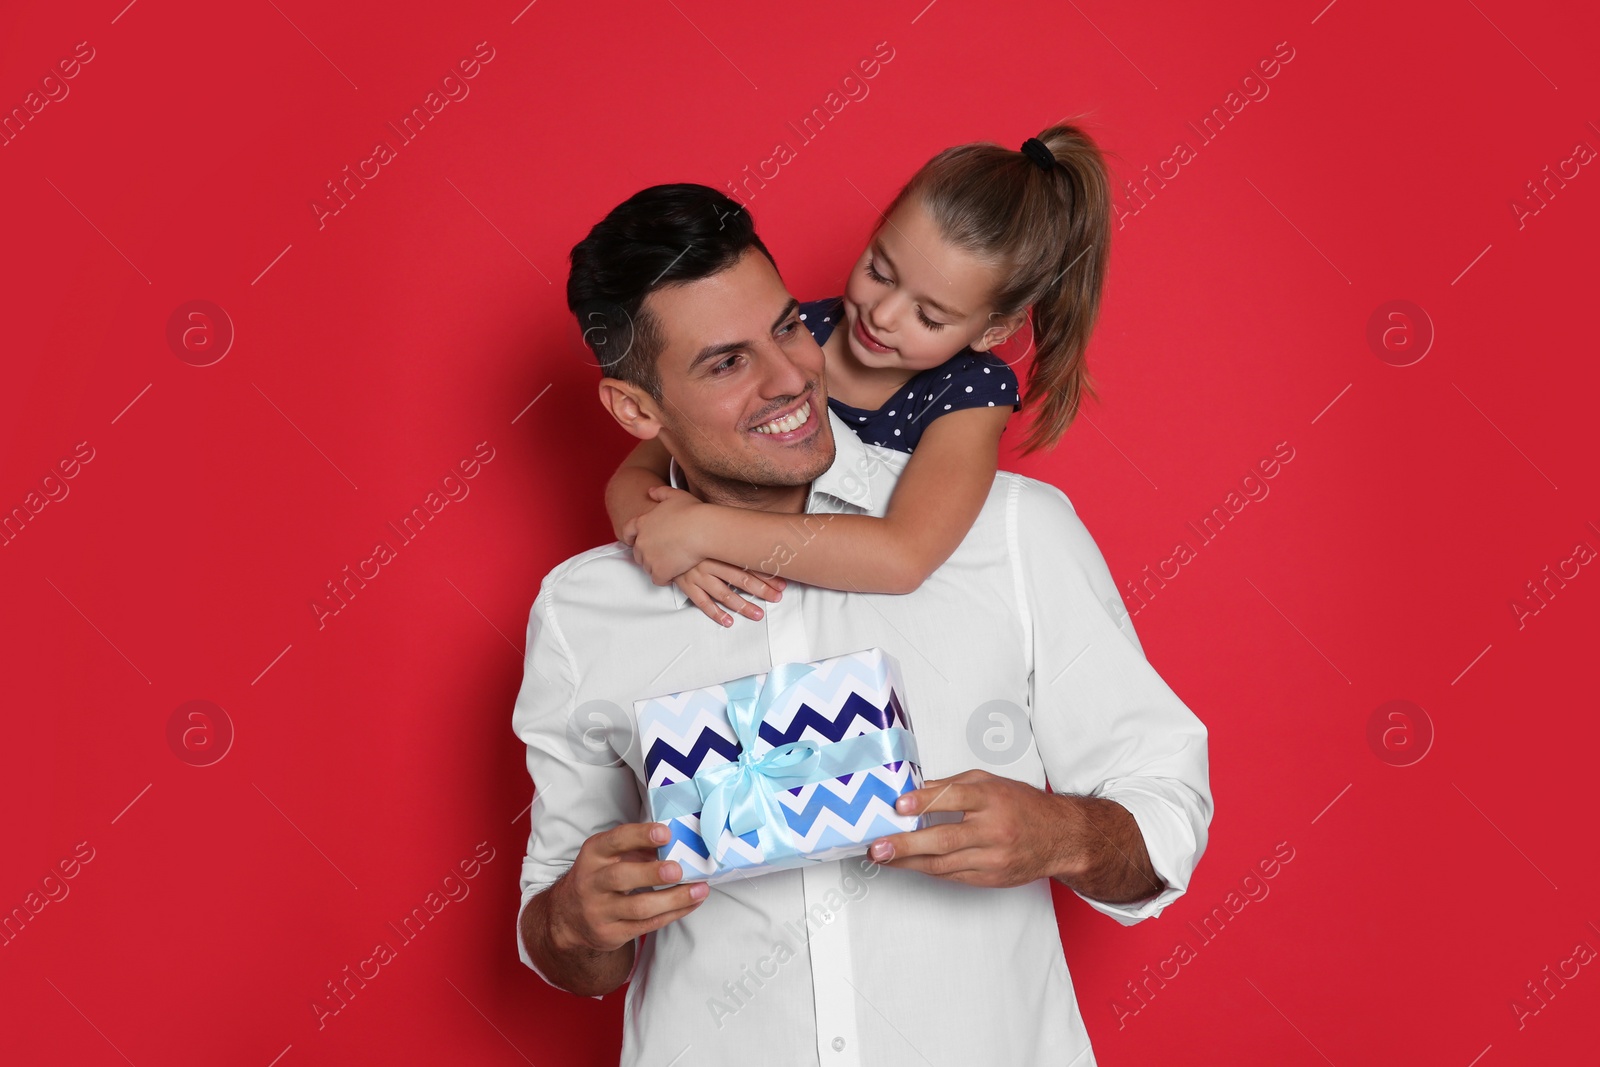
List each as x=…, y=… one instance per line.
x=839, y=704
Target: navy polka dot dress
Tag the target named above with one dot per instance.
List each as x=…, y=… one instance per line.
x=966, y=380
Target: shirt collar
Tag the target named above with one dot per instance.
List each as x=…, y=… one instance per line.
x=847, y=480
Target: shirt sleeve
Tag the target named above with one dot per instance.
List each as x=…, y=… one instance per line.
x=582, y=786
x=1106, y=723
x=968, y=380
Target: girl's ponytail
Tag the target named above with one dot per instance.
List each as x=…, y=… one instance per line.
x=1066, y=307
x=1049, y=230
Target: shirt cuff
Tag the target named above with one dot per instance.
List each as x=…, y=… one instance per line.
x=527, y=959
x=1167, y=841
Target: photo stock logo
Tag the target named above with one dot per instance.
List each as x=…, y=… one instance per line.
x=999, y=733
x=452, y=489
x=453, y=86
x=608, y=334
x=199, y=733
x=600, y=733
x=1542, y=590
x=1253, y=488
x=1253, y=88
x=854, y=89
x=1551, y=982
x=53, y=489
x=855, y=874
x=53, y=889
x=1542, y=190
x=1253, y=888
x=1400, y=333
x=200, y=333
x=53, y=89
x=453, y=888
x=1399, y=733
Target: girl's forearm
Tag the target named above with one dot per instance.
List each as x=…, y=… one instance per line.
x=628, y=491
x=628, y=495
x=854, y=553
x=936, y=500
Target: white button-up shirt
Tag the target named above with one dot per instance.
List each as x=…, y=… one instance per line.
x=1018, y=658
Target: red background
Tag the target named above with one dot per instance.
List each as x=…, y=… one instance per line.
x=372, y=755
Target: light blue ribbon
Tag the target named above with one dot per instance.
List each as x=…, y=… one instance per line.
x=739, y=795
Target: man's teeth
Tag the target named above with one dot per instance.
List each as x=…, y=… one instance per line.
x=789, y=422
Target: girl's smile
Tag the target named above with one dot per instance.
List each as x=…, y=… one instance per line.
x=869, y=342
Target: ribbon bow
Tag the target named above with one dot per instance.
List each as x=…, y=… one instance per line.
x=739, y=795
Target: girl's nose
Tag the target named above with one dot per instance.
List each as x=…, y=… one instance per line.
x=880, y=316
x=893, y=309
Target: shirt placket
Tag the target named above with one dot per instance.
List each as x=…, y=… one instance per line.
x=832, y=977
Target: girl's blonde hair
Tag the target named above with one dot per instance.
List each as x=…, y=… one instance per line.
x=1049, y=232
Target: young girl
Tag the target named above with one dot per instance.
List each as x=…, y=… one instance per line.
x=980, y=236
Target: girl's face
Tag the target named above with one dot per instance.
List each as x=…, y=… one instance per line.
x=913, y=300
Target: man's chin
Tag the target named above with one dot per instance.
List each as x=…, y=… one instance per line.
x=760, y=464
x=792, y=464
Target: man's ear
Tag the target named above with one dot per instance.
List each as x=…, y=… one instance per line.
x=631, y=406
x=1000, y=328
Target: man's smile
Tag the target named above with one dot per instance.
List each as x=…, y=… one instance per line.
x=795, y=424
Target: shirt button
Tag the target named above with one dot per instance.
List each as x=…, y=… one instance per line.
x=838, y=1044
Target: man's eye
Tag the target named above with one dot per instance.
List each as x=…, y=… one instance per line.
x=788, y=328
x=725, y=365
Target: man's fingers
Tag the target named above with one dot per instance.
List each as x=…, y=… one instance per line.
x=638, y=855
x=940, y=794
x=625, y=877
x=614, y=895
x=646, y=904
x=656, y=922
x=630, y=835
x=930, y=841
x=964, y=864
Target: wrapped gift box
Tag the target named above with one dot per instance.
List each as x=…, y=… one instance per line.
x=800, y=765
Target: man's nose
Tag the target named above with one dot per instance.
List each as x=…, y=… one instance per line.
x=780, y=375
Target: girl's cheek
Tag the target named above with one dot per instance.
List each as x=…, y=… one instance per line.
x=855, y=290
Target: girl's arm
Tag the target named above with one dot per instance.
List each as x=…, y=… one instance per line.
x=628, y=491
x=710, y=584
x=935, y=503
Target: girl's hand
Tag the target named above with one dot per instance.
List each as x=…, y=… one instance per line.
x=712, y=582
x=663, y=538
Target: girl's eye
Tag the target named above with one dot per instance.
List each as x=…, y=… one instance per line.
x=874, y=275
x=929, y=323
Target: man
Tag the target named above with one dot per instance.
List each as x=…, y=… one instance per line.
x=1041, y=727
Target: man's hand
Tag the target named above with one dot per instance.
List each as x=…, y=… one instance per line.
x=1011, y=833
x=595, y=910
x=580, y=931
x=663, y=538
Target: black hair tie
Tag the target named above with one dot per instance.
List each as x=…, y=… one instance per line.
x=1039, y=152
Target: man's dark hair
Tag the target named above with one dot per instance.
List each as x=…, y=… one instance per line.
x=660, y=236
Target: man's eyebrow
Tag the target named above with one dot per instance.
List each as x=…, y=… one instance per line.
x=788, y=309
x=715, y=351
x=942, y=308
